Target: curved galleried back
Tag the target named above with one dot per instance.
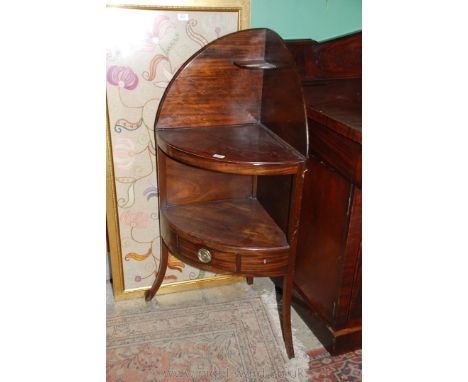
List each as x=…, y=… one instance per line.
x=243, y=78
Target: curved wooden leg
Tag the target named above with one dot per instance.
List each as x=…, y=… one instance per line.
x=249, y=280
x=149, y=294
x=286, y=313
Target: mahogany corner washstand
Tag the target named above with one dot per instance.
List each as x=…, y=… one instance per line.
x=231, y=134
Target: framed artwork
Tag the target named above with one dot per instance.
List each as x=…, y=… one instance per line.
x=146, y=44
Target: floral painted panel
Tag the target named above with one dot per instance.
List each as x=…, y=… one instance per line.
x=144, y=50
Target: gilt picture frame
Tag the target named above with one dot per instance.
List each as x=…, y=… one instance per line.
x=147, y=42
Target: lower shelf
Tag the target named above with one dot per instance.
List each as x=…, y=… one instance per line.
x=239, y=234
x=228, y=225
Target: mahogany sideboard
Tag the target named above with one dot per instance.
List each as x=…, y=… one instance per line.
x=328, y=263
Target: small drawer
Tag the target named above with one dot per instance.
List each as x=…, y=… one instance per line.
x=265, y=265
x=219, y=260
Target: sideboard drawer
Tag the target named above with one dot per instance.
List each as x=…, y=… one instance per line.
x=336, y=150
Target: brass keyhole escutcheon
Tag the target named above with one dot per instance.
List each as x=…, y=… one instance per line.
x=204, y=255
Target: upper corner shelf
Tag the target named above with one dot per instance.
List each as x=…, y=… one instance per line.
x=241, y=149
x=221, y=114
x=257, y=64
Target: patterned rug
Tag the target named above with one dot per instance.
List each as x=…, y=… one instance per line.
x=343, y=368
x=227, y=341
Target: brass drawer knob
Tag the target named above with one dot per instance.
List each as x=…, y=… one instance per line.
x=204, y=255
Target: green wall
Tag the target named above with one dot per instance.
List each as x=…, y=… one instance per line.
x=316, y=19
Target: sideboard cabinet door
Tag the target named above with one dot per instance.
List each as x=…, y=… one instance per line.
x=323, y=231
x=349, y=292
